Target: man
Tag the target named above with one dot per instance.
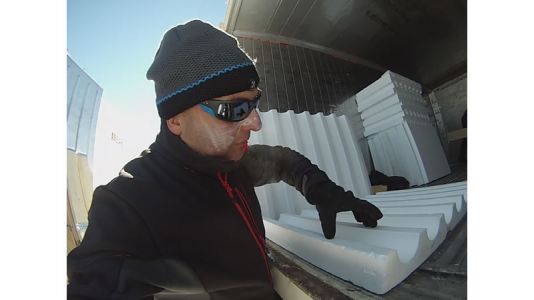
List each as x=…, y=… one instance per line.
x=183, y=218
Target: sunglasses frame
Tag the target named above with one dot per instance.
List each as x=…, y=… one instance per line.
x=226, y=110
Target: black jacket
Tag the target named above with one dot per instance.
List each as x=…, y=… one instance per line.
x=178, y=223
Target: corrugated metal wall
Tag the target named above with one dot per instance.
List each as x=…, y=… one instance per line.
x=83, y=103
x=300, y=79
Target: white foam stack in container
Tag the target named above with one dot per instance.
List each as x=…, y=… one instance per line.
x=415, y=221
x=456, y=186
x=349, y=109
x=400, y=131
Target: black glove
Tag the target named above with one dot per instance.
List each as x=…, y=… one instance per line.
x=393, y=182
x=329, y=199
x=397, y=183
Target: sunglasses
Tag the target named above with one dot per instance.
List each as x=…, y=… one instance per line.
x=231, y=111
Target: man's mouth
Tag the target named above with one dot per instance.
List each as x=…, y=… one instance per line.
x=243, y=142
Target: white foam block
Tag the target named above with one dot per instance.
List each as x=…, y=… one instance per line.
x=459, y=187
x=433, y=223
x=378, y=258
x=420, y=196
x=375, y=259
x=414, y=224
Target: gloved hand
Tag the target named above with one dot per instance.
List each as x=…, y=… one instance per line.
x=329, y=199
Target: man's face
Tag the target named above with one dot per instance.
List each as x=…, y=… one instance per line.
x=210, y=136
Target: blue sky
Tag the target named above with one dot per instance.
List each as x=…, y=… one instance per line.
x=114, y=41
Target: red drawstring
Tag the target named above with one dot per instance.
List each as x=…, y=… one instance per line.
x=245, y=203
x=225, y=184
x=260, y=242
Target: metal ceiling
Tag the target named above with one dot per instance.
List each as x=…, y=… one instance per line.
x=423, y=40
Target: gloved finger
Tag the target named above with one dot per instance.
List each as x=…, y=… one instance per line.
x=357, y=216
x=328, y=222
x=350, y=204
x=361, y=207
x=373, y=212
x=369, y=223
x=370, y=210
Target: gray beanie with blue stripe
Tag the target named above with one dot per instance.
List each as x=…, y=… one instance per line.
x=195, y=62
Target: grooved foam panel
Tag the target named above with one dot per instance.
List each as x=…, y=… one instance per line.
x=376, y=259
x=415, y=221
x=349, y=109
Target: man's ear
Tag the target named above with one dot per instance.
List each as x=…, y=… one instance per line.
x=174, y=125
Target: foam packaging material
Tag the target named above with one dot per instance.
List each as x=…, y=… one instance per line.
x=400, y=130
x=415, y=221
x=376, y=259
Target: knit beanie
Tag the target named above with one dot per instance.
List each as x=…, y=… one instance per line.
x=195, y=62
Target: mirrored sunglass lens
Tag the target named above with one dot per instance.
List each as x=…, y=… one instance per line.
x=241, y=110
x=230, y=111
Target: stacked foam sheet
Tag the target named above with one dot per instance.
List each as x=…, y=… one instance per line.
x=377, y=259
x=400, y=130
x=349, y=109
x=429, y=190
x=326, y=140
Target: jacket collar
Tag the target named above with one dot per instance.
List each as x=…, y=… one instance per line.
x=172, y=149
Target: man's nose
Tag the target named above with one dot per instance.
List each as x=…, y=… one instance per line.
x=252, y=122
